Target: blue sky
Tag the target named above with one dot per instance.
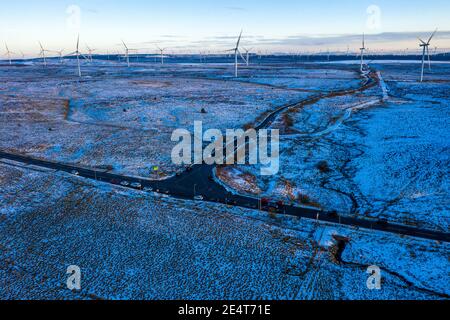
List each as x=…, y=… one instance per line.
x=211, y=24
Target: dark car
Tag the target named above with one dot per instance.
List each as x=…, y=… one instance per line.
x=333, y=214
x=280, y=204
x=382, y=222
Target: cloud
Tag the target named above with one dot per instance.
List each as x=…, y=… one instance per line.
x=389, y=38
x=386, y=41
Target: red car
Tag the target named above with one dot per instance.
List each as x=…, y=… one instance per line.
x=280, y=204
x=265, y=202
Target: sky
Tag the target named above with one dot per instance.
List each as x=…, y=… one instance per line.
x=212, y=25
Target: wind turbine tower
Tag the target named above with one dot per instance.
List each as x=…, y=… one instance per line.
x=426, y=50
x=363, y=48
x=60, y=54
x=42, y=53
x=90, y=51
x=236, y=52
x=247, y=54
x=161, y=50
x=127, y=53
x=8, y=54
x=77, y=53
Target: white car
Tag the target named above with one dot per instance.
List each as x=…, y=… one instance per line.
x=136, y=185
x=199, y=198
x=148, y=189
x=75, y=172
x=125, y=183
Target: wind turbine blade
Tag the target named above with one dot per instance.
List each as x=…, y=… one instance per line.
x=239, y=39
x=429, y=40
x=423, y=42
x=245, y=60
x=124, y=45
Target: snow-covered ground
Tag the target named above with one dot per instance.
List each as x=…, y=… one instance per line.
x=381, y=153
x=133, y=245
x=123, y=119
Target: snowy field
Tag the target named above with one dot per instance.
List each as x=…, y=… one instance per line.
x=382, y=153
x=122, y=119
x=132, y=245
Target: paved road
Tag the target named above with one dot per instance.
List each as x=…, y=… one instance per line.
x=192, y=183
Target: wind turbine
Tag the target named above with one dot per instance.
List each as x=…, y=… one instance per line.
x=42, y=53
x=60, y=54
x=127, y=53
x=8, y=54
x=90, y=53
x=247, y=53
x=77, y=53
x=236, y=51
x=162, y=53
x=363, y=48
x=426, y=50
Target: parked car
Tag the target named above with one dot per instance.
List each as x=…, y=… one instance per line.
x=269, y=205
x=75, y=172
x=280, y=204
x=382, y=222
x=136, y=185
x=272, y=206
x=125, y=183
x=148, y=189
x=265, y=202
x=199, y=198
x=333, y=214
